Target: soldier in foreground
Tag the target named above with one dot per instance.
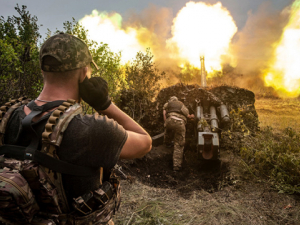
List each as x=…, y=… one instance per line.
x=91, y=142
x=175, y=117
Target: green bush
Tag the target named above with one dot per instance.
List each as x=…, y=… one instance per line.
x=275, y=157
x=143, y=81
x=20, y=73
x=270, y=156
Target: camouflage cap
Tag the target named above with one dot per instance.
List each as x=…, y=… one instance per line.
x=173, y=98
x=66, y=52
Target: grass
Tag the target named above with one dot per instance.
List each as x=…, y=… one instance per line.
x=240, y=204
x=279, y=114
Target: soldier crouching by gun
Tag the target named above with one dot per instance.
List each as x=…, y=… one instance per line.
x=69, y=151
x=175, y=117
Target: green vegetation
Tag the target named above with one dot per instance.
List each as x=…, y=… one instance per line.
x=142, y=78
x=189, y=74
x=276, y=158
x=19, y=56
x=272, y=157
x=20, y=72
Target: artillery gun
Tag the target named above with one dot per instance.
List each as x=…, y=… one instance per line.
x=208, y=132
x=210, y=116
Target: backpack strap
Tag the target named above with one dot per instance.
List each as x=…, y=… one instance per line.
x=36, y=111
x=51, y=140
x=46, y=157
x=7, y=110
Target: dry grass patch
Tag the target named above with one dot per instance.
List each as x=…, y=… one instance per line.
x=246, y=203
x=279, y=113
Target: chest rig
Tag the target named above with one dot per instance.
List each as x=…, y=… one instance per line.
x=31, y=187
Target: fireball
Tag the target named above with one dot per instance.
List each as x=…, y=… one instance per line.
x=108, y=29
x=284, y=72
x=201, y=29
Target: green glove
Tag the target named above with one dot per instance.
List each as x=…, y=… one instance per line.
x=94, y=91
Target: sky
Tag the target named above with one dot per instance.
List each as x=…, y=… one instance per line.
x=52, y=14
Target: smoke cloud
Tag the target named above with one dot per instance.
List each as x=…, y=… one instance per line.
x=156, y=26
x=251, y=50
x=253, y=47
x=157, y=23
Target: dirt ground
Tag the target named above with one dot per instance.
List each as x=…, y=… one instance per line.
x=156, y=170
x=205, y=192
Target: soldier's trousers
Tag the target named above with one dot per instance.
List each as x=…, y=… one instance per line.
x=175, y=130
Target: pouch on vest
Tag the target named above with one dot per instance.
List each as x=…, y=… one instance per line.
x=31, y=189
x=175, y=106
x=16, y=198
x=26, y=189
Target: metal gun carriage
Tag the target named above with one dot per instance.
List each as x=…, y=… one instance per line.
x=207, y=128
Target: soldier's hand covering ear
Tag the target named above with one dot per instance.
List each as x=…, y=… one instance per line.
x=94, y=91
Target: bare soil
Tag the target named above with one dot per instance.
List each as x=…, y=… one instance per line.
x=156, y=170
x=201, y=193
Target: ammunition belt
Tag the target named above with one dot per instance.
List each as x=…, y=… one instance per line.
x=15, y=102
x=5, y=112
x=55, y=122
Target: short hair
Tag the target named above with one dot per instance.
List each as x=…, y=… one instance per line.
x=61, y=77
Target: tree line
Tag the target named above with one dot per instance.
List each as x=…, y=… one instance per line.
x=20, y=73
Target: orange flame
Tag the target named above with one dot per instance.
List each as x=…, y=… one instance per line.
x=202, y=29
x=108, y=29
x=284, y=72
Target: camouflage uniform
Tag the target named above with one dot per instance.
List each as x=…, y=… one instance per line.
x=175, y=130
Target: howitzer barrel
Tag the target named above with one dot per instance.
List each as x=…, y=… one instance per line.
x=203, y=72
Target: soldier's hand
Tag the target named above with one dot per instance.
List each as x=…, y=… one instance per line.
x=192, y=116
x=94, y=91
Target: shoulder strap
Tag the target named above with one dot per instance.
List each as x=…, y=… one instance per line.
x=7, y=110
x=35, y=111
x=47, y=156
x=52, y=137
x=51, y=140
